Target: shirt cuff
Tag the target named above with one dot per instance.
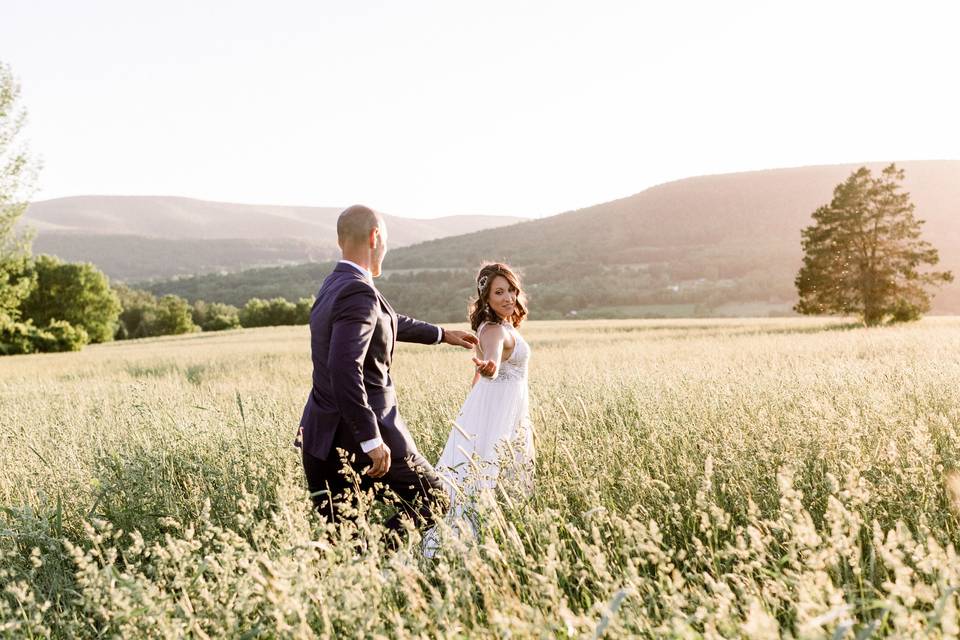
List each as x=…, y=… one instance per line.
x=369, y=445
x=439, y=335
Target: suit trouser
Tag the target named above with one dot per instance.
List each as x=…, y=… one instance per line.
x=419, y=491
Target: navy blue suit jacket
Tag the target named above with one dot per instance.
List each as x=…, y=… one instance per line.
x=353, y=330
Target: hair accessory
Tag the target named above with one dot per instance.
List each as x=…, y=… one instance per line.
x=482, y=282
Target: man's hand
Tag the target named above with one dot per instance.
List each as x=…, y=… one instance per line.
x=463, y=339
x=381, y=461
x=486, y=368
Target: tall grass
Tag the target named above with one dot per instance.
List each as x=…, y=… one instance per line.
x=694, y=479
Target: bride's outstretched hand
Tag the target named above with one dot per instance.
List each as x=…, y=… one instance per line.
x=486, y=368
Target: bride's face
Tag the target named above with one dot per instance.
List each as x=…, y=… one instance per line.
x=502, y=298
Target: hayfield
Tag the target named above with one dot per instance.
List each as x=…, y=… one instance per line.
x=714, y=478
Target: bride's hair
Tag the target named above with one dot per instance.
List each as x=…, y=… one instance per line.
x=480, y=310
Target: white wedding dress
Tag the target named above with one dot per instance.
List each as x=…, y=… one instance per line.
x=492, y=442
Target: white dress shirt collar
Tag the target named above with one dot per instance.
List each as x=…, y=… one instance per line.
x=366, y=273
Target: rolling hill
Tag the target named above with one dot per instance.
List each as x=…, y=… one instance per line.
x=728, y=244
x=710, y=245
x=758, y=212
x=142, y=237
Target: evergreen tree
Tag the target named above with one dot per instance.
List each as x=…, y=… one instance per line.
x=863, y=253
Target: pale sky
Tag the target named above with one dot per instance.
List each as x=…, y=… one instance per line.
x=433, y=108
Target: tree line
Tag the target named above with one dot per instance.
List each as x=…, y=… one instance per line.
x=555, y=289
x=63, y=306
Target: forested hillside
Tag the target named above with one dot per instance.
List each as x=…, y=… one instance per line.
x=712, y=245
x=134, y=238
x=130, y=258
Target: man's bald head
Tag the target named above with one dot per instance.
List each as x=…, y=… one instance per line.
x=355, y=224
x=362, y=236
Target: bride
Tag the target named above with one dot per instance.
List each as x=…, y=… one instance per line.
x=492, y=439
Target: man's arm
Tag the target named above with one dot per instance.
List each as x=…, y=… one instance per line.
x=412, y=330
x=353, y=326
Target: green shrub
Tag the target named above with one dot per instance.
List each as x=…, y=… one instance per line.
x=17, y=338
x=144, y=316
x=63, y=336
x=215, y=316
x=275, y=312
x=23, y=337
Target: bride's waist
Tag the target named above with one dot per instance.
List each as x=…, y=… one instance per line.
x=512, y=379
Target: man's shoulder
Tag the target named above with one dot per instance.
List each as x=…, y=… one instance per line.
x=344, y=284
x=357, y=285
x=342, y=278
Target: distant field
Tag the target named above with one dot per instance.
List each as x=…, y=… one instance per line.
x=695, y=478
x=731, y=309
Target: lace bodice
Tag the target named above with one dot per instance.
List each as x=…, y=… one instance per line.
x=513, y=368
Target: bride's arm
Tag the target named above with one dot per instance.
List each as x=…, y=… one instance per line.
x=476, y=371
x=492, y=337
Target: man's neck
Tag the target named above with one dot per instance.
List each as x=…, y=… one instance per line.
x=359, y=265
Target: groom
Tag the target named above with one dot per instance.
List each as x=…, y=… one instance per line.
x=353, y=405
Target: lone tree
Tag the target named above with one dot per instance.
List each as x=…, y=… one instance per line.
x=863, y=253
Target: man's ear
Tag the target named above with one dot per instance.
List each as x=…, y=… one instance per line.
x=374, y=234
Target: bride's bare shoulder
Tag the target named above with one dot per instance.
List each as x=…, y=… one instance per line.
x=492, y=332
x=491, y=329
